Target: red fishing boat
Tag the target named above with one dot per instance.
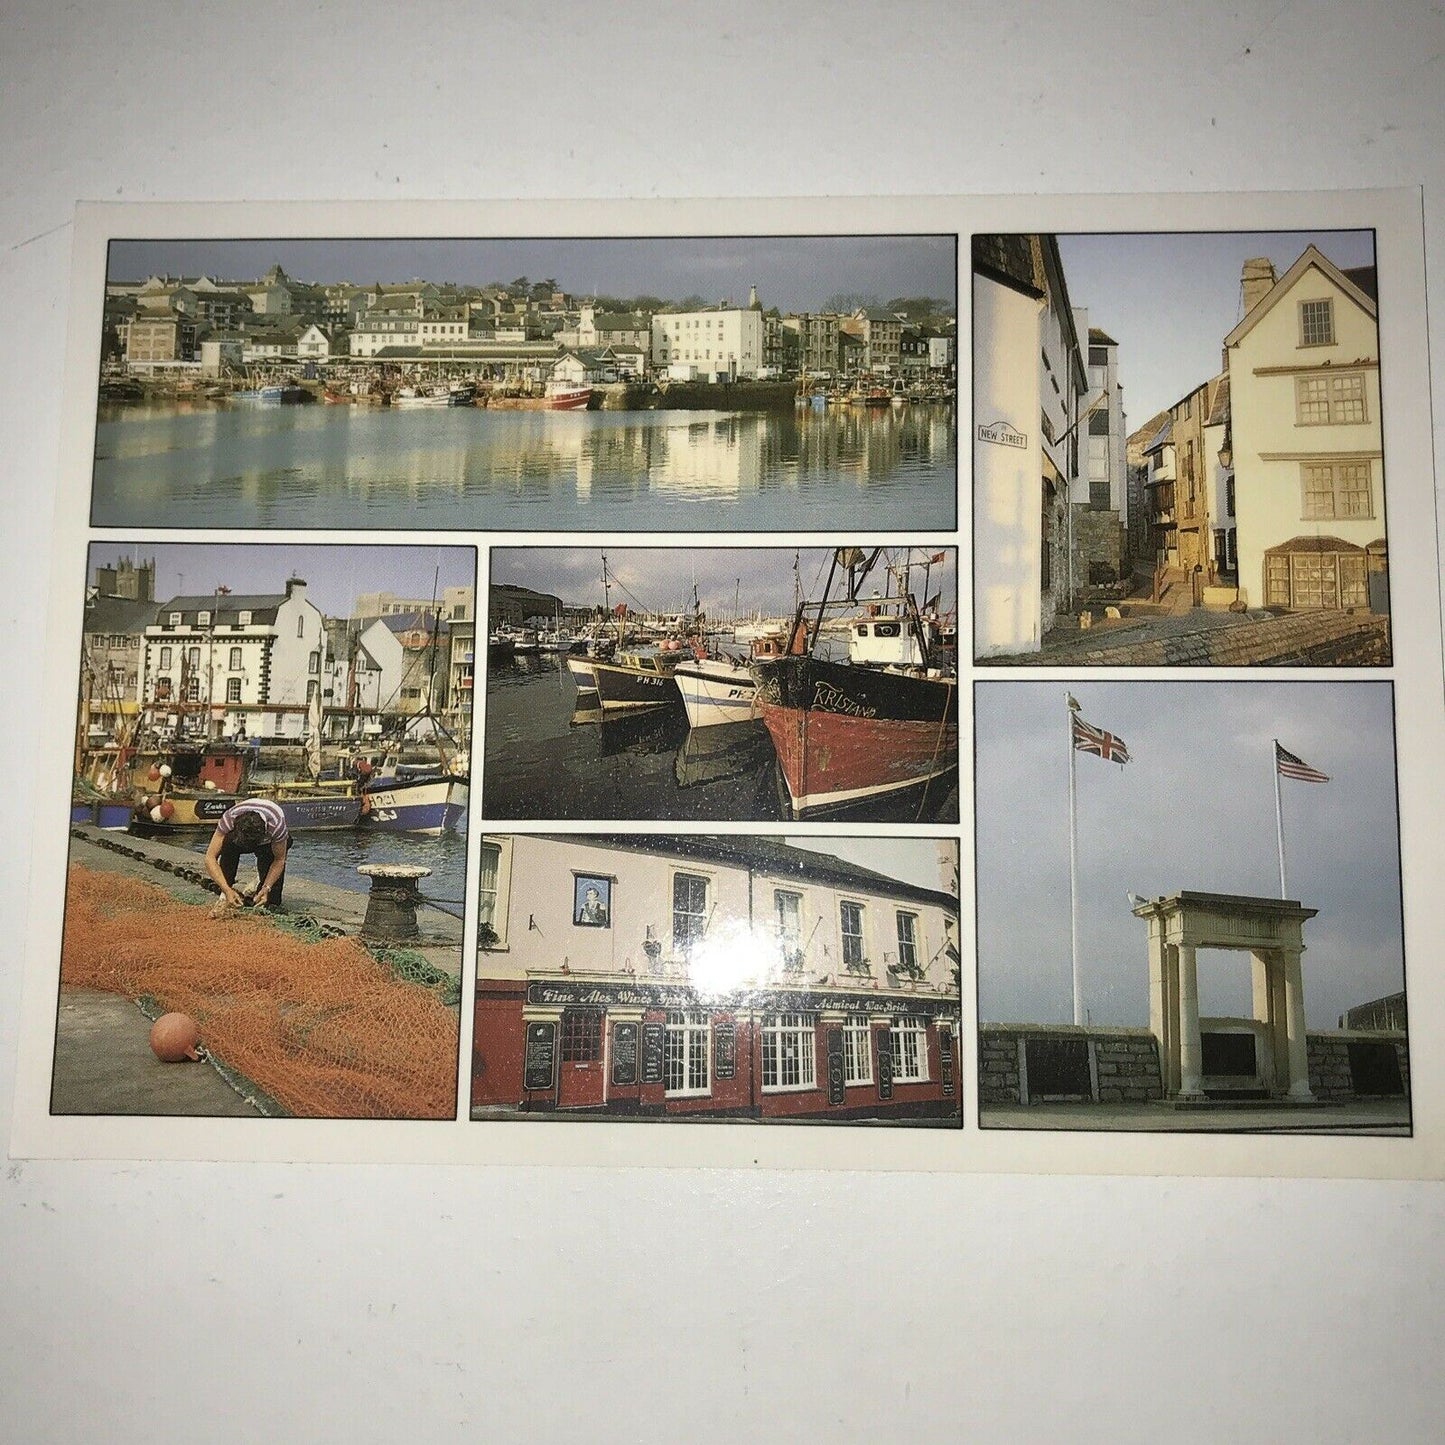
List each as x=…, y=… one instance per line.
x=882, y=723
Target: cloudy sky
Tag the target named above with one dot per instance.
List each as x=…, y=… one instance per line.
x=335, y=576
x=794, y=273
x=661, y=578
x=911, y=860
x=1192, y=809
x=1170, y=300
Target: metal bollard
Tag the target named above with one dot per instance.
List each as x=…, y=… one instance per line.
x=392, y=904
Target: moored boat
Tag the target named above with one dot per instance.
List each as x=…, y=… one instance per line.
x=880, y=724
x=431, y=803
x=715, y=690
x=566, y=396
x=632, y=681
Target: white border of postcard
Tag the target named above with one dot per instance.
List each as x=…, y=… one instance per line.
x=1416, y=673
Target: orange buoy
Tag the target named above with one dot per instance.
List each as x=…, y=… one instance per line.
x=175, y=1037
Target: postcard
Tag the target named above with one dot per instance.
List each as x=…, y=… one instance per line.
x=509, y=706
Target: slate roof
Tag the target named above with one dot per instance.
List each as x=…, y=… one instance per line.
x=1161, y=437
x=119, y=615
x=776, y=858
x=223, y=608
x=1101, y=338
x=1219, y=412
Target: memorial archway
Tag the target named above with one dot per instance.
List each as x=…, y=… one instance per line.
x=1271, y=931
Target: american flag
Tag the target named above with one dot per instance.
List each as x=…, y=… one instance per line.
x=1089, y=739
x=1292, y=767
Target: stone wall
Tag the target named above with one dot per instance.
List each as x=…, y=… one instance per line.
x=1098, y=539
x=1123, y=1063
x=1331, y=1072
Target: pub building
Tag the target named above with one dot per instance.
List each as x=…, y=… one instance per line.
x=741, y=977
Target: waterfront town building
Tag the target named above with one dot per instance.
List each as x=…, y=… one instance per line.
x=881, y=333
x=816, y=343
x=597, y=330
x=1141, y=514
x=159, y=337
x=253, y=662
x=1304, y=377
x=118, y=609
x=456, y=604
x=740, y=977
x=721, y=344
x=1030, y=381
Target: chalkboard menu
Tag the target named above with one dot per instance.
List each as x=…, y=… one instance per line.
x=624, y=1053
x=539, y=1064
x=945, y=1062
x=885, y=1063
x=725, y=1050
x=652, y=1041
x=836, y=1090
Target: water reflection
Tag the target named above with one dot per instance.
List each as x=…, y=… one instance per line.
x=456, y=467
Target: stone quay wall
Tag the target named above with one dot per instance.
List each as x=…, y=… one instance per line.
x=1122, y=1064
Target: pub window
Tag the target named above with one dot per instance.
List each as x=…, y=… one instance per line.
x=788, y=908
x=851, y=921
x=689, y=912
x=165, y=661
x=1335, y=489
x=193, y=689
x=789, y=1060
x=233, y=689
x=1317, y=322
x=175, y=619
x=686, y=1058
x=235, y=659
x=581, y=1036
x=313, y=663
x=908, y=941
x=910, y=1051
x=491, y=928
x=163, y=689
x=193, y=657
x=857, y=1052
x=203, y=619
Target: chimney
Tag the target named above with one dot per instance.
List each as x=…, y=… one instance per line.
x=295, y=587
x=753, y=303
x=948, y=865
x=1256, y=281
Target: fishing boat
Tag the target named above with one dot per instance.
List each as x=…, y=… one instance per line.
x=882, y=723
x=715, y=690
x=414, y=397
x=500, y=646
x=584, y=675
x=566, y=396
x=632, y=681
x=430, y=801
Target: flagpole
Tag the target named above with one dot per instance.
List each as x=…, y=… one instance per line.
x=1074, y=878
x=1278, y=817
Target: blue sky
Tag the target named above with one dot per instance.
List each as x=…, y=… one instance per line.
x=1193, y=808
x=335, y=576
x=794, y=273
x=1169, y=299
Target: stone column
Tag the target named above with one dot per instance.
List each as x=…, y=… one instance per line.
x=1191, y=1081
x=1294, y=1002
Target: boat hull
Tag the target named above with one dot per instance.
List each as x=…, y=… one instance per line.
x=622, y=688
x=431, y=805
x=845, y=735
x=570, y=399
x=715, y=692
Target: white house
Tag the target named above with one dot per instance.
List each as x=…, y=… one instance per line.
x=739, y=975
x=1304, y=377
x=722, y=344
x=321, y=343
x=236, y=657
x=1029, y=383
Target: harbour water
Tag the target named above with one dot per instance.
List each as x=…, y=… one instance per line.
x=542, y=765
x=209, y=464
x=331, y=856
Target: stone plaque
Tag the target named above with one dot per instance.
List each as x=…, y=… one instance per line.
x=1058, y=1068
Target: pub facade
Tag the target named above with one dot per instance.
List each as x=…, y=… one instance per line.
x=741, y=977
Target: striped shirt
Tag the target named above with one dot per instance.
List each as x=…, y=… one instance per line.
x=270, y=813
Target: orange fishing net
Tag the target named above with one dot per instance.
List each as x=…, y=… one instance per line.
x=323, y=1028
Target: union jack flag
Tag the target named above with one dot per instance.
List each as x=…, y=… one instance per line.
x=1089, y=739
x=1292, y=767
